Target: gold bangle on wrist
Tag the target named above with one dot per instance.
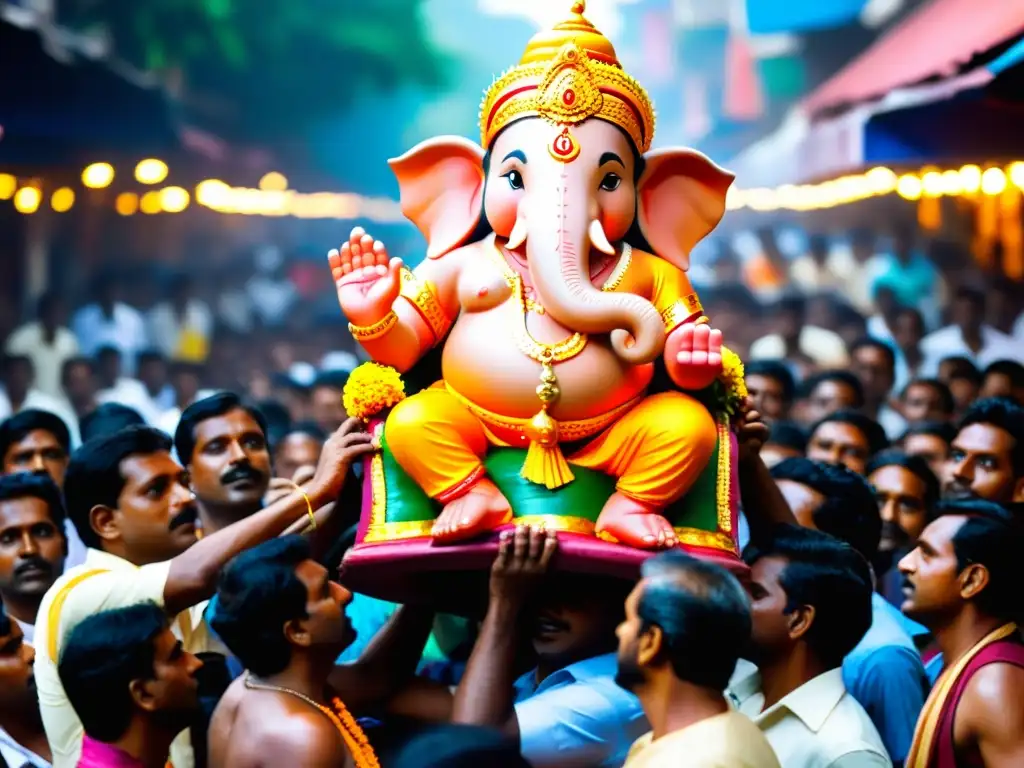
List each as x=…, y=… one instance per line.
x=378, y=329
x=420, y=293
x=309, y=506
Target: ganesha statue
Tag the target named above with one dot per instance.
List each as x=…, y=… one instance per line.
x=554, y=280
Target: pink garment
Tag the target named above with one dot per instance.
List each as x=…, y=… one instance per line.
x=96, y=754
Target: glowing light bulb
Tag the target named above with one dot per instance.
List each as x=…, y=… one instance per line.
x=212, y=193
x=174, y=199
x=881, y=180
x=151, y=171
x=1016, y=174
x=126, y=203
x=62, y=199
x=8, y=186
x=993, y=181
x=274, y=182
x=909, y=187
x=98, y=175
x=970, y=178
x=150, y=202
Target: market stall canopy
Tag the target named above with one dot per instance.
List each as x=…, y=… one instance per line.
x=938, y=40
x=55, y=112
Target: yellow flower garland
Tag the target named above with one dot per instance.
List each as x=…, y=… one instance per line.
x=372, y=388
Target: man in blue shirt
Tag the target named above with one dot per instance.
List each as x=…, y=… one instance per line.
x=568, y=711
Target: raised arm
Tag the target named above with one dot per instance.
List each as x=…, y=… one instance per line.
x=394, y=313
x=763, y=503
x=193, y=574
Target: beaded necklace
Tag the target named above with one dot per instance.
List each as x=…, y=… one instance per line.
x=353, y=736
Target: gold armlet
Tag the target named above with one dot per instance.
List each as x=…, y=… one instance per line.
x=702, y=320
x=681, y=311
x=420, y=293
x=375, y=331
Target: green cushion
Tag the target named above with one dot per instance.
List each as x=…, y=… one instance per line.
x=583, y=497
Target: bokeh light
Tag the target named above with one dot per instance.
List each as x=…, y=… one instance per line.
x=150, y=202
x=993, y=181
x=62, y=199
x=151, y=171
x=8, y=186
x=98, y=175
x=174, y=199
x=126, y=203
x=27, y=199
x=274, y=182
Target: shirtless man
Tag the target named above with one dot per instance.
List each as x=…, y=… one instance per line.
x=282, y=616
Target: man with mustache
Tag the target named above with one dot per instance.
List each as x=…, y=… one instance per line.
x=906, y=491
x=32, y=544
x=962, y=581
x=23, y=742
x=132, y=506
x=986, y=458
x=39, y=441
x=222, y=442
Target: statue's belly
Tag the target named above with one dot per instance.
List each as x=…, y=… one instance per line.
x=482, y=362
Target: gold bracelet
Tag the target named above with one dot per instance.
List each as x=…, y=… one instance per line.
x=420, y=293
x=375, y=331
x=702, y=320
x=309, y=505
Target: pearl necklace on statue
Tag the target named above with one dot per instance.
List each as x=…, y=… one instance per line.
x=353, y=736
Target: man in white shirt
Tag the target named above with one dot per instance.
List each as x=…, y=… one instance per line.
x=22, y=739
x=47, y=343
x=968, y=336
x=131, y=504
x=109, y=322
x=799, y=343
x=117, y=388
x=810, y=598
x=19, y=394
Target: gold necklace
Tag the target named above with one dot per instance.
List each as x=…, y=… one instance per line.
x=351, y=733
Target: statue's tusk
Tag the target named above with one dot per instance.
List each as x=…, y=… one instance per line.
x=599, y=239
x=518, y=234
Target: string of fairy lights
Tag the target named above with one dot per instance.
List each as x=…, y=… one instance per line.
x=271, y=197
x=968, y=180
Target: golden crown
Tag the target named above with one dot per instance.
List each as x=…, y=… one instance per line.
x=568, y=74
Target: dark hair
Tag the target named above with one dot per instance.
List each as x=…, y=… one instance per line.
x=19, y=426
x=791, y=303
x=209, y=408
x=916, y=466
x=991, y=536
x=703, y=614
x=107, y=419
x=788, y=434
x=151, y=356
x=973, y=295
x=871, y=429
x=257, y=594
x=777, y=370
x=278, y=420
x=94, y=474
x=330, y=379
x=849, y=511
x=108, y=350
x=46, y=303
x=451, y=745
x=948, y=404
x=867, y=342
x=842, y=377
x=9, y=361
x=963, y=368
x=36, y=485
x=1011, y=369
x=940, y=429
x=308, y=428
x=1005, y=414
x=103, y=654
x=73, y=362
x=830, y=576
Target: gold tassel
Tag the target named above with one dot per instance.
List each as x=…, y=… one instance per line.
x=545, y=465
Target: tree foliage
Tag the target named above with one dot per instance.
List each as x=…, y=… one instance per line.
x=275, y=63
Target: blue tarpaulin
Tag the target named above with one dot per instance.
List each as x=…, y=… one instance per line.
x=766, y=17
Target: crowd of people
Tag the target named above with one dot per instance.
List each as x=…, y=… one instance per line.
x=169, y=546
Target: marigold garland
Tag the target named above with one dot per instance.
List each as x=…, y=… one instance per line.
x=372, y=388
x=733, y=381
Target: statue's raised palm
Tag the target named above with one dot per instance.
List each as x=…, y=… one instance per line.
x=368, y=281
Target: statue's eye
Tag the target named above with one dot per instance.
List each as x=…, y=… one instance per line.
x=515, y=179
x=611, y=182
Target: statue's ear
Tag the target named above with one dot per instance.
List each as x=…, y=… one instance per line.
x=441, y=184
x=682, y=198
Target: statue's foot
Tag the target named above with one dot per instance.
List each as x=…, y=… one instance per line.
x=481, y=509
x=629, y=522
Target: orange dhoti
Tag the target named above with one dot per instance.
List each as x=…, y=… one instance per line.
x=656, y=446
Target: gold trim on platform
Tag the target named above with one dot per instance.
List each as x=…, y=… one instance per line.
x=696, y=537
x=557, y=523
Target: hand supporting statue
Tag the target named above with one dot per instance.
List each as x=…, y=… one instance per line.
x=347, y=444
x=522, y=563
x=367, y=279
